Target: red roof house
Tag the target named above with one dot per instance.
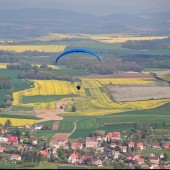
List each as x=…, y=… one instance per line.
x=124, y=149
x=140, y=146
x=3, y=130
x=13, y=140
x=130, y=157
x=91, y=142
x=44, y=153
x=76, y=145
x=73, y=158
x=116, y=135
x=140, y=161
x=155, y=146
x=2, y=149
x=166, y=145
x=131, y=145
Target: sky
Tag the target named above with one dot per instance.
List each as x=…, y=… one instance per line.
x=96, y=7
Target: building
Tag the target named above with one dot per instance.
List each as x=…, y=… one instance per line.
x=59, y=142
x=98, y=163
x=91, y=142
x=116, y=136
x=3, y=139
x=38, y=127
x=130, y=157
x=140, y=161
x=15, y=157
x=87, y=158
x=161, y=156
x=73, y=158
x=124, y=149
x=154, y=160
x=44, y=153
x=155, y=146
x=116, y=154
x=140, y=146
x=76, y=145
x=3, y=130
x=13, y=140
x=2, y=149
x=166, y=145
x=112, y=145
x=131, y=145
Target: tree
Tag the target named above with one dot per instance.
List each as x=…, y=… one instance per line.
x=73, y=109
x=7, y=123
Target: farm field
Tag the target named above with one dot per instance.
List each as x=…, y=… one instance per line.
x=106, y=38
x=135, y=93
x=39, y=48
x=119, y=122
x=96, y=101
x=18, y=122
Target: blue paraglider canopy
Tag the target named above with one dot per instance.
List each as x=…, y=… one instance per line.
x=77, y=51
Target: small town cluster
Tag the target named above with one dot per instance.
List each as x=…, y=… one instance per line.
x=100, y=149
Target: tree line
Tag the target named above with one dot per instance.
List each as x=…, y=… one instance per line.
x=143, y=44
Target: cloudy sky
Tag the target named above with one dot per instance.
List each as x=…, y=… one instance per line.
x=97, y=7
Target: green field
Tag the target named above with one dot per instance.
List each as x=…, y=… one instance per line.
x=45, y=98
x=65, y=126
x=47, y=165
x=18, y=84
x=19, y=116
x=119, y=121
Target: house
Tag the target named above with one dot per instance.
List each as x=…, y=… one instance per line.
x=59, y=142
x=91, y=142
x=38, y=127
x=155, y=146
x=66, y=147
x=21, y=148
x=116, y=136
x=161, y=156
x=98, y=163
x=3, y=130
x=140, y=161
x=108, y=137
x=154, y=160
x=73, y=158
x=3, y=139
x=116, y=154
x=112, y=145
x=15, y=157
x=44, y=153
x=2, y=149
x=166, y=145
x=140, y=146
x=131, y=145
x=137, y=156
x=154, y=166
x=87, y=158
x=34, y=141
x=130, y=157
x=13, y=140
x=124, y=149
x=76, y=145
x=113, y=136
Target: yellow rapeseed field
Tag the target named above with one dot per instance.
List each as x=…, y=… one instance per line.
x=97, y=100
x=3, y=65
x=40, y=48
x=18, y=122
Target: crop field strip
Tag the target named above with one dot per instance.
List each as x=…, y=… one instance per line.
x=39, y=48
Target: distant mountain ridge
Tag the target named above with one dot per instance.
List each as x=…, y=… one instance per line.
x=22, y=23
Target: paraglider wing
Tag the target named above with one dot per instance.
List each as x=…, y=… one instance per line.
x=77, y=51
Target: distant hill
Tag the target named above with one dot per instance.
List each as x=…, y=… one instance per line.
x=23, y=23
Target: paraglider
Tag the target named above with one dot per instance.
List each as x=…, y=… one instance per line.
x=77, y=51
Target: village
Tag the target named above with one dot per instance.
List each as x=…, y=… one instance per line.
x=113, y=149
